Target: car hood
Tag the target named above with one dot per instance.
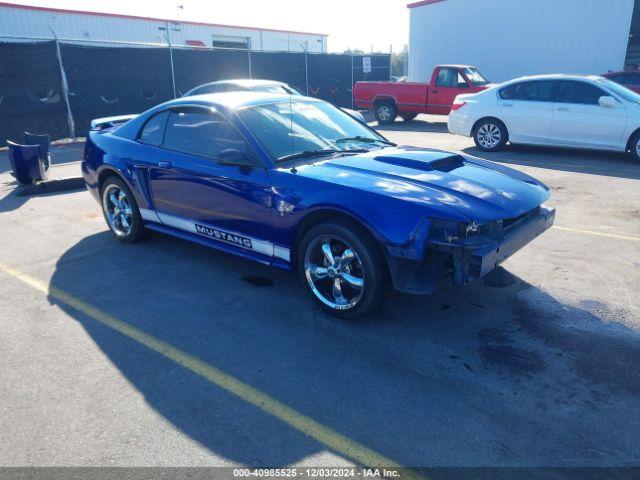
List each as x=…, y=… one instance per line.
x=475, y=188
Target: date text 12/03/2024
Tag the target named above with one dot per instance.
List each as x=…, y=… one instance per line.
x=317, y=472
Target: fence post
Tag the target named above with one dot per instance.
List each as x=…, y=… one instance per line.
x=352, y=83
x=65, y=87
x=173, y=73
x=306, y=71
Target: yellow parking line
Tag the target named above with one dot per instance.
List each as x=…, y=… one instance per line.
x=598, y=234
x=325, y=435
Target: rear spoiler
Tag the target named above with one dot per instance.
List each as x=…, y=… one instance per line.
x=108, y=122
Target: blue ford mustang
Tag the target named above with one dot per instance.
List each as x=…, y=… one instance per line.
x=296, y=183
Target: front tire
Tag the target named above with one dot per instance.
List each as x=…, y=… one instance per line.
x=490, y=135
x=342, y=268
x=385, y=113
x=121, y=211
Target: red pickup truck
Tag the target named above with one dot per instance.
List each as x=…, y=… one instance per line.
x=407, y=99
x=628, y=78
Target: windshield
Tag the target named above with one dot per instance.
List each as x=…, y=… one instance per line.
x=292, y=128
x=624, y=92
x=475, y=77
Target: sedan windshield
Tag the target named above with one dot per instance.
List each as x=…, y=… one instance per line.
x=302, y=128
x=624, y=92
x=475, y=77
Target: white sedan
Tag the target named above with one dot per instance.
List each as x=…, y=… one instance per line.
x=561, y=110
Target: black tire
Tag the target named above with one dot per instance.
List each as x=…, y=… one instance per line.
x=407, y=117
x=385, y=112
x=634, y=146
x=490, y=135
x=136, y=230
x=367, y=265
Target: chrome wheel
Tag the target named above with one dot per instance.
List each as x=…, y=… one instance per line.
x=638, y=148
x=384, y=113
x=117, y=209
x=334, y=272
x=489, y=135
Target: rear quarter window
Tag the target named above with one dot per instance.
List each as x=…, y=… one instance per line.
x=506, y=93
x=153, y=131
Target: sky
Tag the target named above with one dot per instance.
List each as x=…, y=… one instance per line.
x=355, y=24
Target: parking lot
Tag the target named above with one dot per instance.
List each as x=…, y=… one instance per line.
x=167, y=353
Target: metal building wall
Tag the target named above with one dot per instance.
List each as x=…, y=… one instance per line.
x=512, y=38
x=28, y=22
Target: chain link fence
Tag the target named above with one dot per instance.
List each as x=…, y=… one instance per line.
x=58, y=87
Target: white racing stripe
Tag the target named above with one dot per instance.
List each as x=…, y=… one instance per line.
x=149, y=215
x=218, y=234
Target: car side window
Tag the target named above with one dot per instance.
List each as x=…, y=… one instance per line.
x=450, y=77
x=537, y=91
x=579, y=92
x=153, y=131
x=202, y=133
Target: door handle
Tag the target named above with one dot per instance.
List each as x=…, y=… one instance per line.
x=434, y=91
x=506, y=105
x=563, y=109
x=163, y=164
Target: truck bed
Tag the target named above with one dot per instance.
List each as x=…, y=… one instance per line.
x=408, y=96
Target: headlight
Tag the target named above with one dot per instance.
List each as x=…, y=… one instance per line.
x=450, y=231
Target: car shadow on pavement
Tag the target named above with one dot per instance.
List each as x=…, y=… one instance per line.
x=611, y=164
x=416, y=125
x=475, y=376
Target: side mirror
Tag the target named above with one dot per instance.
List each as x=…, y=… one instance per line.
x=232, y=157
x=606, y=101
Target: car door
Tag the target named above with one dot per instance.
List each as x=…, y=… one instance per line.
x=193, y=192
x=449, y=83
x=527, y=108
x=580, y=121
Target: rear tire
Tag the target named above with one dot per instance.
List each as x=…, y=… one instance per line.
x=634, y=146
x=490, y=135
x=342, y=268
x=385, y=113
x=121, y=211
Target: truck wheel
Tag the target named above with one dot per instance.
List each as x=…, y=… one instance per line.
x=385, y=113
x=407, y=117
x=343, y=269
x=490, y=135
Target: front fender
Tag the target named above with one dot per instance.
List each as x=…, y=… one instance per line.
x=400, y=229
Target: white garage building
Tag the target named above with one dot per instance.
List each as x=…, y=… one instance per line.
x=22, y=21
x=511, y=38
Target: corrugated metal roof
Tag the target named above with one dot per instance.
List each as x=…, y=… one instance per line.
x=153, y=19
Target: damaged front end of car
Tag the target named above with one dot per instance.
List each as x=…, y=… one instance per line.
x=460, y=252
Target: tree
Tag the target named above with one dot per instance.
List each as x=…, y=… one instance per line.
x=399, y=65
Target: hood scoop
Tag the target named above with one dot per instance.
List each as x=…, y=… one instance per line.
x=441, y=162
